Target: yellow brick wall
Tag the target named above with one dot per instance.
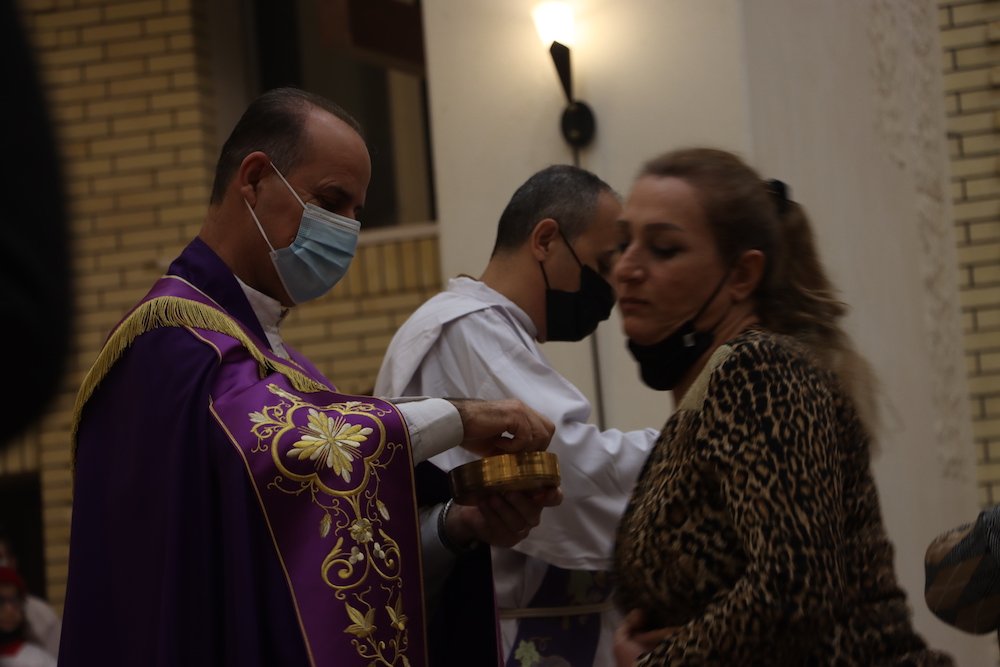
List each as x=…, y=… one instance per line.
x=970, y=38
x=131, y=95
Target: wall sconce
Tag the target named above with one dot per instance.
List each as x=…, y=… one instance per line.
x=554, y=22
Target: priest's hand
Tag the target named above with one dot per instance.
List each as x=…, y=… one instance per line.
x=500, y=519
x=497, y=427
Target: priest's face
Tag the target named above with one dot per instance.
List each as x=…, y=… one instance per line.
x=333, y=174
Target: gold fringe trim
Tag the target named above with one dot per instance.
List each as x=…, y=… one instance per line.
x=171, y=311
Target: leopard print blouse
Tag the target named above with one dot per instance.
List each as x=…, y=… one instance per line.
x=755, y=527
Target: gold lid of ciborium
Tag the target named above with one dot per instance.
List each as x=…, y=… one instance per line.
x=522, y=471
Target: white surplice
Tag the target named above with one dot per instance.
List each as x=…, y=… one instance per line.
x=470, y=341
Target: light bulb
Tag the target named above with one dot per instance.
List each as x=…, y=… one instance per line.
x=554, y=23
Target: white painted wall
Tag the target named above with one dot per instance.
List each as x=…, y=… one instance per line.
x=846, y=105
x=839, y=99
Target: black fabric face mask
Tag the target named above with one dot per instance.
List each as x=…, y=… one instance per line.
x=663, y=364
x=572, y=316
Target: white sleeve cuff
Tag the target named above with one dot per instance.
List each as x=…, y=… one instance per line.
x=434, y=424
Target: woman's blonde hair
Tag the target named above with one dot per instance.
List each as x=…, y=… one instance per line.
x=795, y=297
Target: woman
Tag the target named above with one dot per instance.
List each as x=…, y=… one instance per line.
x=754, y=535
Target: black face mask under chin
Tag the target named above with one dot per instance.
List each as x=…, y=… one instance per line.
x=663, y=364
x=572, y=316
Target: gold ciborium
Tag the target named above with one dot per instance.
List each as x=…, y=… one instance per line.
x=521, y=471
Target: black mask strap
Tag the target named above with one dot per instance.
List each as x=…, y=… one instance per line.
x=545, y=277
x=689, y=337
x=570, y=247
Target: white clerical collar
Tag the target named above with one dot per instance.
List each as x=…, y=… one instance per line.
x=269, y=313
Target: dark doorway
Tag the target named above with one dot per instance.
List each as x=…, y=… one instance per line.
x=368, y=57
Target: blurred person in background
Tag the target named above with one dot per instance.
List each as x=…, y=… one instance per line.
x=17, y=644
x=43, y=621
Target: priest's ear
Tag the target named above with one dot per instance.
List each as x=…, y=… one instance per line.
x=252, y=169
x=544, y=234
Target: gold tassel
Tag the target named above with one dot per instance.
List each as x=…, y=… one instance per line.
x=169, y=311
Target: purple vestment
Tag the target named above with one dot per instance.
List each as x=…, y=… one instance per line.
x=230, y=508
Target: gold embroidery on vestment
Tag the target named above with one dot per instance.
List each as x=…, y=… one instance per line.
x=364, y=557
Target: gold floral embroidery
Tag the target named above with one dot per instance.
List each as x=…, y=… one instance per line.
x=364, y=627
x=361, y=531
x=527, y=654
x=363, y=568
x=396, y=615
x=364, y=624
x=332, y=441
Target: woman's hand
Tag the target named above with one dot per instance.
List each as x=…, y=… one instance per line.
x=631, y=641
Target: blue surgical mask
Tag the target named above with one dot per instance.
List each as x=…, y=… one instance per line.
x=320, y=254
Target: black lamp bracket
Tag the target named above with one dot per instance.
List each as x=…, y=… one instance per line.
x=578, y=122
